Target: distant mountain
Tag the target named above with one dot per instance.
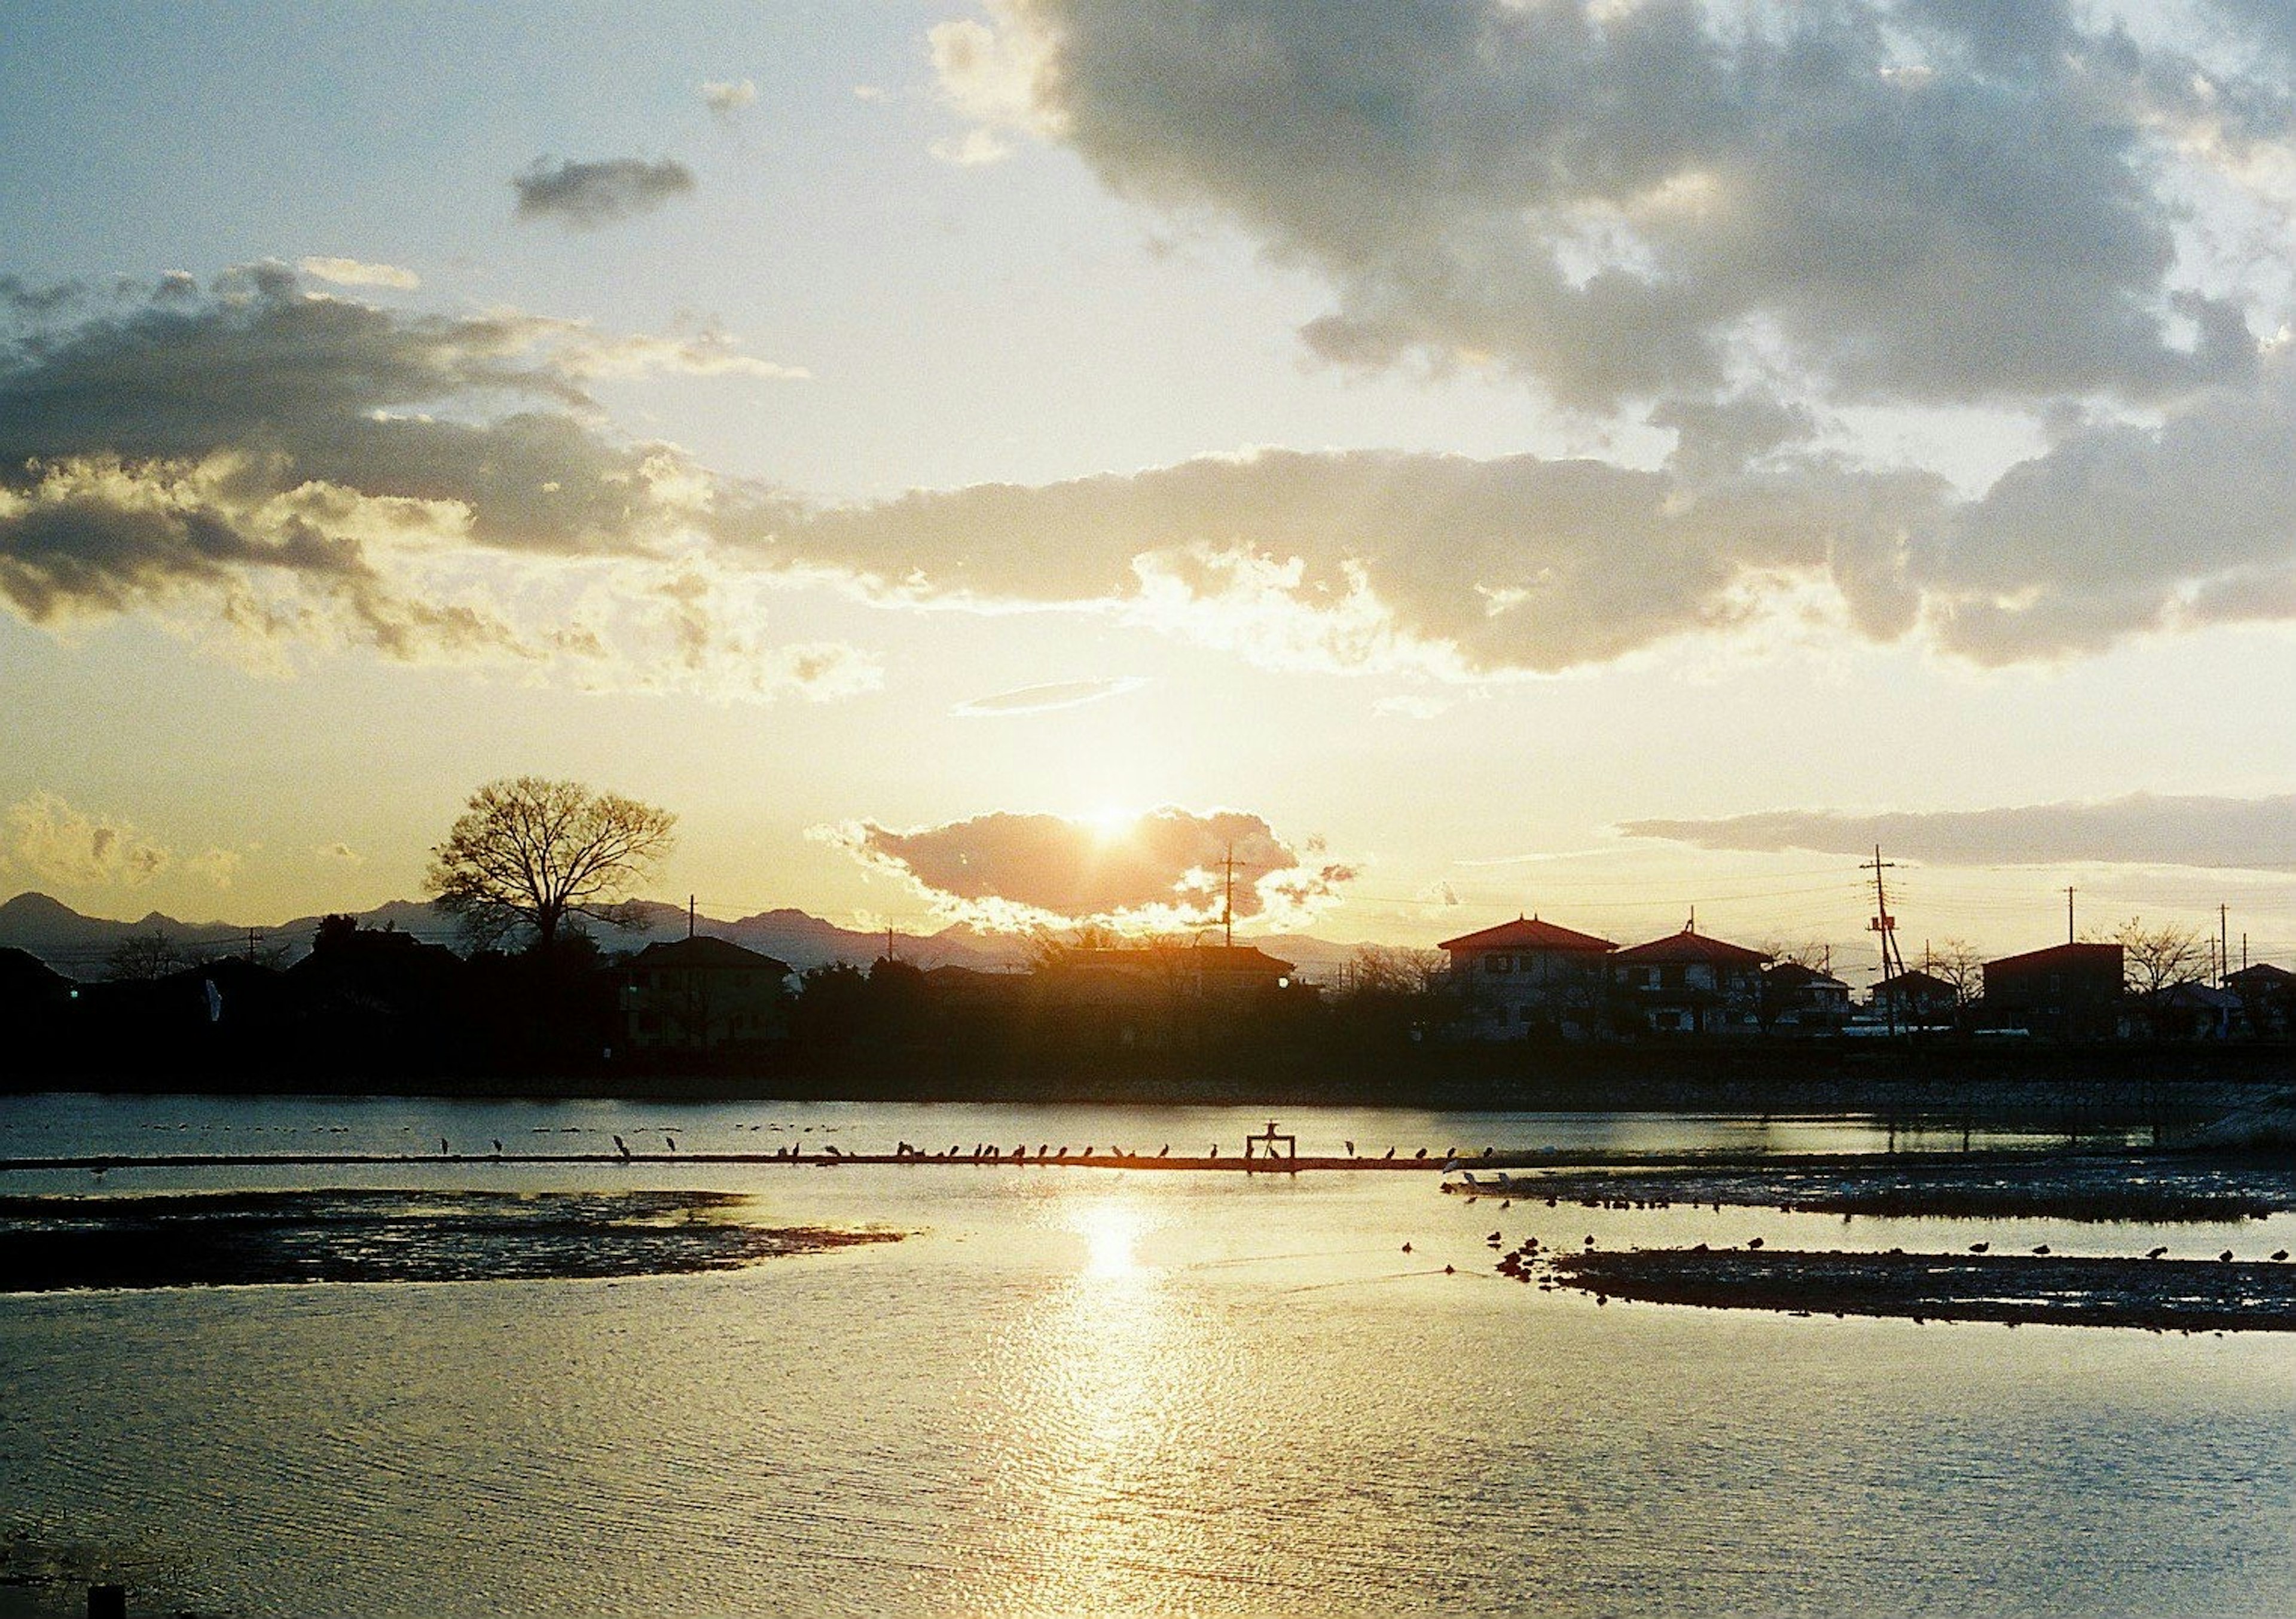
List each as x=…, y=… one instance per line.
x=78, y=945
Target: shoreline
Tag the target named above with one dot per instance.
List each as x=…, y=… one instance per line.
x=2013, y=1290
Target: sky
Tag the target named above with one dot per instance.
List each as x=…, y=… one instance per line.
x=1612, y=460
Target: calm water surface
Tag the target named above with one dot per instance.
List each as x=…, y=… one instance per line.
x=1103, y=1391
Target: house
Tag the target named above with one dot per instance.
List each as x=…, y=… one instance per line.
x=1159, y=996
x=1803, y=999
x=1915, y=997
x=2066, y=992
x=2194, y=1011
x=1690, y=984
x=700, y=992
x=1529, y=974
x=2268, y=997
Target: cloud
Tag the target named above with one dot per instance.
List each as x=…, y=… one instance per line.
x=727, y=97
x=269, y=469
x=1374, y=559
x=1042, y=699
x=343, y=854
x=2119, y=528
x=353, y=272
x=587, y=195
x=217, y=867
x=2142, y=828
x=1163, y=871
x=27, y=301
x=66, y=848
x=1898, y=199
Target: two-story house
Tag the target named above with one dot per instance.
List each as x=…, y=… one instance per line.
x=1526, y=974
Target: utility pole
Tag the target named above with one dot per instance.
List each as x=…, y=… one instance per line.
x=1886, y=925
x=251, y=937
x=2068, y=916
x=689, y=916
x=2224, y=944
x=1227, y=900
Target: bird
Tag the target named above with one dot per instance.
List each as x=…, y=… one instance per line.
x=2156, y=1252
x=1494, y=1237
x=1214, y=1152
x=1165, y=1152
x=1062, y=1153
x=2041, y=1248
x=1352, y=1148
x=621, y=1147
x=1452, y=1153
x=670, y=1141
x=1042, y=1149
x=1420, y=1153
x=2224, y=1257
x=1487, y=1151
x=1753, y=1242
x=1406, y=1247
x=498, y=1147
x=1979, y=1247
x=2278, y=1255
x=1390, y=1152
x=1086, y=1152
x=1507, y=1202
x=442, y=1146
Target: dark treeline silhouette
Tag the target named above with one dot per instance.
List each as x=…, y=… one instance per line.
x=379, y=1010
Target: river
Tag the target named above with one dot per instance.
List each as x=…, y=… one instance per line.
x=1072, y=1391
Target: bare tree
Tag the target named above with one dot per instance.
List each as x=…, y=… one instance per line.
x=534, y=854
x=143, y=956
x=2158, y=958
x=1958, y=962
x=1394, y=970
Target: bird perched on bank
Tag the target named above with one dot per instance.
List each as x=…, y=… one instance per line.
x=2041, y=1248
x=1165, y=1152
x=2278, y=1255
x=1979, y=1247
x=1214, y=1152
x=1062, y=1153
x=1390, y=1152
x=1753, y=1242
x=2156, y=1252
x=1406, y=1247
x=498, y=1147
x=1352, y=1148
x=670, y=1141
x=1420, y=1153
x=621, y=1147
x=442, y=1146
x=2224, y=1257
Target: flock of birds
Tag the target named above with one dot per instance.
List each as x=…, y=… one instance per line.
x=1522, y=1262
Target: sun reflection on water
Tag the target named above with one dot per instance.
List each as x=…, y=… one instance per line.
x=1111, y=1375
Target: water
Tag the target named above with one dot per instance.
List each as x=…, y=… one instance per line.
x=1103, y=1391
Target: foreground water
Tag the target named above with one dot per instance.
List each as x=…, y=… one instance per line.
x=1071, y=1391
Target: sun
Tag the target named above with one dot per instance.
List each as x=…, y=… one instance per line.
x=1110, y=822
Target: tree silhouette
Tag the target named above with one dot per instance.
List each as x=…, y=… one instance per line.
x=530, y=852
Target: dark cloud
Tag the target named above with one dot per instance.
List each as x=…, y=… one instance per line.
x=291, y=469
x=1927, y=200
x=1162, y=870
x=2254, y=834
x=586, y=195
